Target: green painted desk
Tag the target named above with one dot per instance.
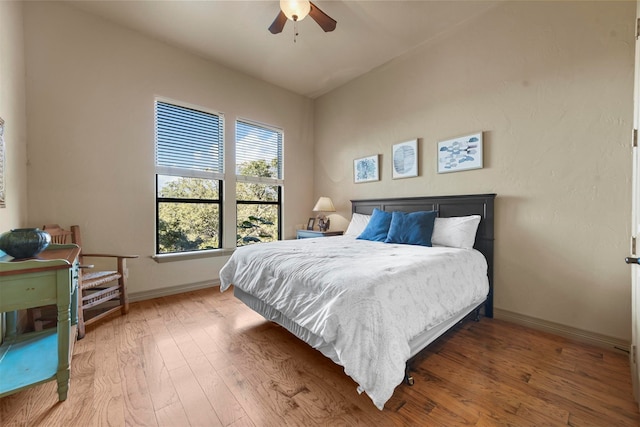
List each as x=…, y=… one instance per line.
x=33, y=358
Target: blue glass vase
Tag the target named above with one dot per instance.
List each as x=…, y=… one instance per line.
x=24, y=242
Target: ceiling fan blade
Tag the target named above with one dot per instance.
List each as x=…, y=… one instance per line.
x=326, y=22
x=278, y=23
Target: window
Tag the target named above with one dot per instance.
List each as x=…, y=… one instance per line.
x=258, y=183
x=189, y=177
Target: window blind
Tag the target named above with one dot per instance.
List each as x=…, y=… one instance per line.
x=188, y=142
x=255, y=142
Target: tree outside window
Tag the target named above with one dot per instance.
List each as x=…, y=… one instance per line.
x=258, y=204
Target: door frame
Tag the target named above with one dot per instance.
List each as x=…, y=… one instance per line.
x=635, y=219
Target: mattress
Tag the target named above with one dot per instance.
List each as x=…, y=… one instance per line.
x=369, y=306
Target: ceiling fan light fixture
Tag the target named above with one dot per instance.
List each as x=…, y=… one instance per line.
x=295, y=10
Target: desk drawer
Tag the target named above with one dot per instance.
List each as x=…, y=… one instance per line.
x=32, y=290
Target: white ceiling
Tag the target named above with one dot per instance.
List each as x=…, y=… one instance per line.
x=234, y=33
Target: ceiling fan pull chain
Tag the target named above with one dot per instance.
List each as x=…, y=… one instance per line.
x=295, y=30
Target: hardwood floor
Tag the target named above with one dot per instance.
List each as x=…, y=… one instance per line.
x=204, y=359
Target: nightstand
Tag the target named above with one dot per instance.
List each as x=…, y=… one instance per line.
x=308, y=234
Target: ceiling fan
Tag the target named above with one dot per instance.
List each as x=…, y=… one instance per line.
x=297, y=10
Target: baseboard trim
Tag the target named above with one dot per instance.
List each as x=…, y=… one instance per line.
x=563, y=330
x=172, y=290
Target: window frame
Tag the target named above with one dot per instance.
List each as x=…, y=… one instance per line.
x=277, y=181
x=257, y=202
x=217, y=201
x=189, y=173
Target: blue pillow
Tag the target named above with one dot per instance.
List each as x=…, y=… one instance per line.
x=413, y=228
x=378, y=226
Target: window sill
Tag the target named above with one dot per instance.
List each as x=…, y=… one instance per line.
x=183, y=256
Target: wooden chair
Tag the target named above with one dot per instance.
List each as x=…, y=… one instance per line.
x=100, y=292
x=58, y=235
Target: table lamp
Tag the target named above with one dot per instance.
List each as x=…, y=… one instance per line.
x=324, y=204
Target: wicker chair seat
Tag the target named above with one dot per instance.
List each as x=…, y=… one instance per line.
x=94, y=279
x=97, y=296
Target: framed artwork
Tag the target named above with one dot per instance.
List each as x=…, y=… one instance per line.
x=311, y=223
x=3, y=184
x=405, y=159
x=460, y=154
x=366, y=169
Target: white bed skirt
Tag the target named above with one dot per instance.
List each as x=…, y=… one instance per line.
x=416, y=344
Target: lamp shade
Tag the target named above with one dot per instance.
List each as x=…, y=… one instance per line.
x=324, y=204
x=295, y=8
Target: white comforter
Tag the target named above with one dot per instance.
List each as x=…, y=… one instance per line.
x=367, y=299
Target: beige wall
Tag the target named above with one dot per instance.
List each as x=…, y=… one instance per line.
x=550, y=84
x=90, y=92
x=12, y=110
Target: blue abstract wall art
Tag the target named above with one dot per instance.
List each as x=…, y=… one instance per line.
x=461, y=153
x=366, y=169
x=405, y=159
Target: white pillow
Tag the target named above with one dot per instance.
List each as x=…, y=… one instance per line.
x=456, y=231
x=357, y=225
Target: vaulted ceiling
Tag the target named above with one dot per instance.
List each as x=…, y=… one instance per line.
x=234, y=34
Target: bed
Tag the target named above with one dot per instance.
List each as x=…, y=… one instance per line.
x=372, y=306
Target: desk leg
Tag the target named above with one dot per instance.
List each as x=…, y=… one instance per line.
x=11, y=318
x=63, y=385
x=64, y=326
x=74, y=307
x=64, y=332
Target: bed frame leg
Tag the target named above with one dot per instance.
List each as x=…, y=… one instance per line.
x=408, y=378
x=476, y=318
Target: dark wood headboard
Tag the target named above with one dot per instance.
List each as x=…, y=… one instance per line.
x=447, y=206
